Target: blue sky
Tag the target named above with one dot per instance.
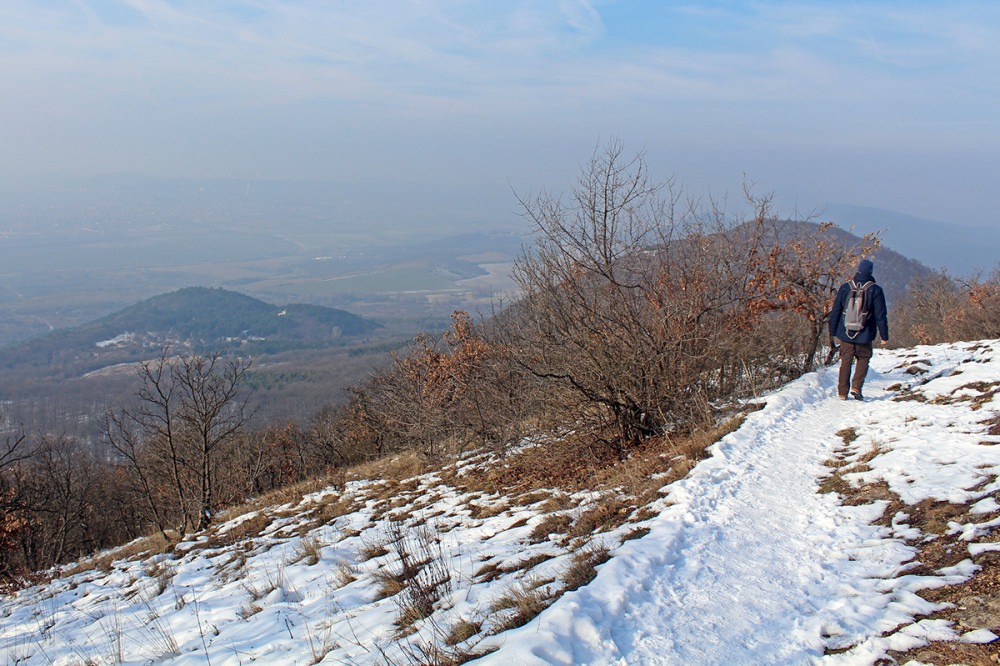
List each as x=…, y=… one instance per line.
x=888, y=104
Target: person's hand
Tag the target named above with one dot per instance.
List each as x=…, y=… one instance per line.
x=885, y=343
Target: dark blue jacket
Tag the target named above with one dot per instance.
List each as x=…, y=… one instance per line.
x=878, y=320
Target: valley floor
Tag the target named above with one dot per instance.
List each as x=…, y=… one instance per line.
x=804, y=538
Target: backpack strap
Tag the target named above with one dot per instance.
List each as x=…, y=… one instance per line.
x=861, y=287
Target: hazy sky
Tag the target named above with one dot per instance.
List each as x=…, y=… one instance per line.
x=889, y=104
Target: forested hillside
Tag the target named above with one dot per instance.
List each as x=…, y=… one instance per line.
x=196, y=318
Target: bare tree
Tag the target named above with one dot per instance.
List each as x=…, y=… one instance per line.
x=56, y=490
x=148, y=438
x=642, y=309
x=13, y=450
x=212, y=412
x=125, y=432
x=189, y=408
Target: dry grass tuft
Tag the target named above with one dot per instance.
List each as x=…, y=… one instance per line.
x=493, y=570
x=488, y=572
x=477, y=511
x=945, y=654
x=551, y=525
x=462, y=631
x=162, y=574
x=525, y=601
x=142, y=548
x=535, y=496
x=835, y=483
x=660, y=461
x=249, y=609
x=637, y=533
x=848, y=435
x=397, y=467
x=557, y=502
x=308, y=551
x=584, y=566
x=607, y=513
x=248, y=529
x=388, y=584
x=570, y=462
x=969, y=605
x=331, y=509
x=370, y=551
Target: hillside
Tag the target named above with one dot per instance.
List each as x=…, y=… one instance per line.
x=816, y=531
x=304, y=357
x=196, y=318
x=199, y=313
x=893, y=269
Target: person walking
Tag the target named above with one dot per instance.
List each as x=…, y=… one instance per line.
x=859, y=314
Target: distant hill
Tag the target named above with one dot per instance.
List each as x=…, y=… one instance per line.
x=893, y=271
x=215, y=314
x=960, y=249
x=195, y=318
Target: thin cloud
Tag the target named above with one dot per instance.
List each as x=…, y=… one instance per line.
x=132, y=82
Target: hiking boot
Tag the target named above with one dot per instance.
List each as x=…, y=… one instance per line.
x=843, y=396
x=857, y=395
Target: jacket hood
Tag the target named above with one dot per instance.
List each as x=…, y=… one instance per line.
x=864, y=274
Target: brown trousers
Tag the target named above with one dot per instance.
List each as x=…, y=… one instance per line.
x=848, y=353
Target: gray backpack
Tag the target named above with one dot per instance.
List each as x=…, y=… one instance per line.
x=856, y=310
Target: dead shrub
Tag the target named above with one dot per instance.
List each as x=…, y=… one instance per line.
x=418, y=577
x=940, y=308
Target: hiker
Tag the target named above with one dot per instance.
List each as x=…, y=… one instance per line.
x=858, y=315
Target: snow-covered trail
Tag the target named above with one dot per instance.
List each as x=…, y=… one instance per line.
x=744, y=562
x=752, y=565
x=754, y=543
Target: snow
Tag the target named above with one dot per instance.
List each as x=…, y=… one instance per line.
x=120, y=339
x=979, y=636
x=745, y=562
